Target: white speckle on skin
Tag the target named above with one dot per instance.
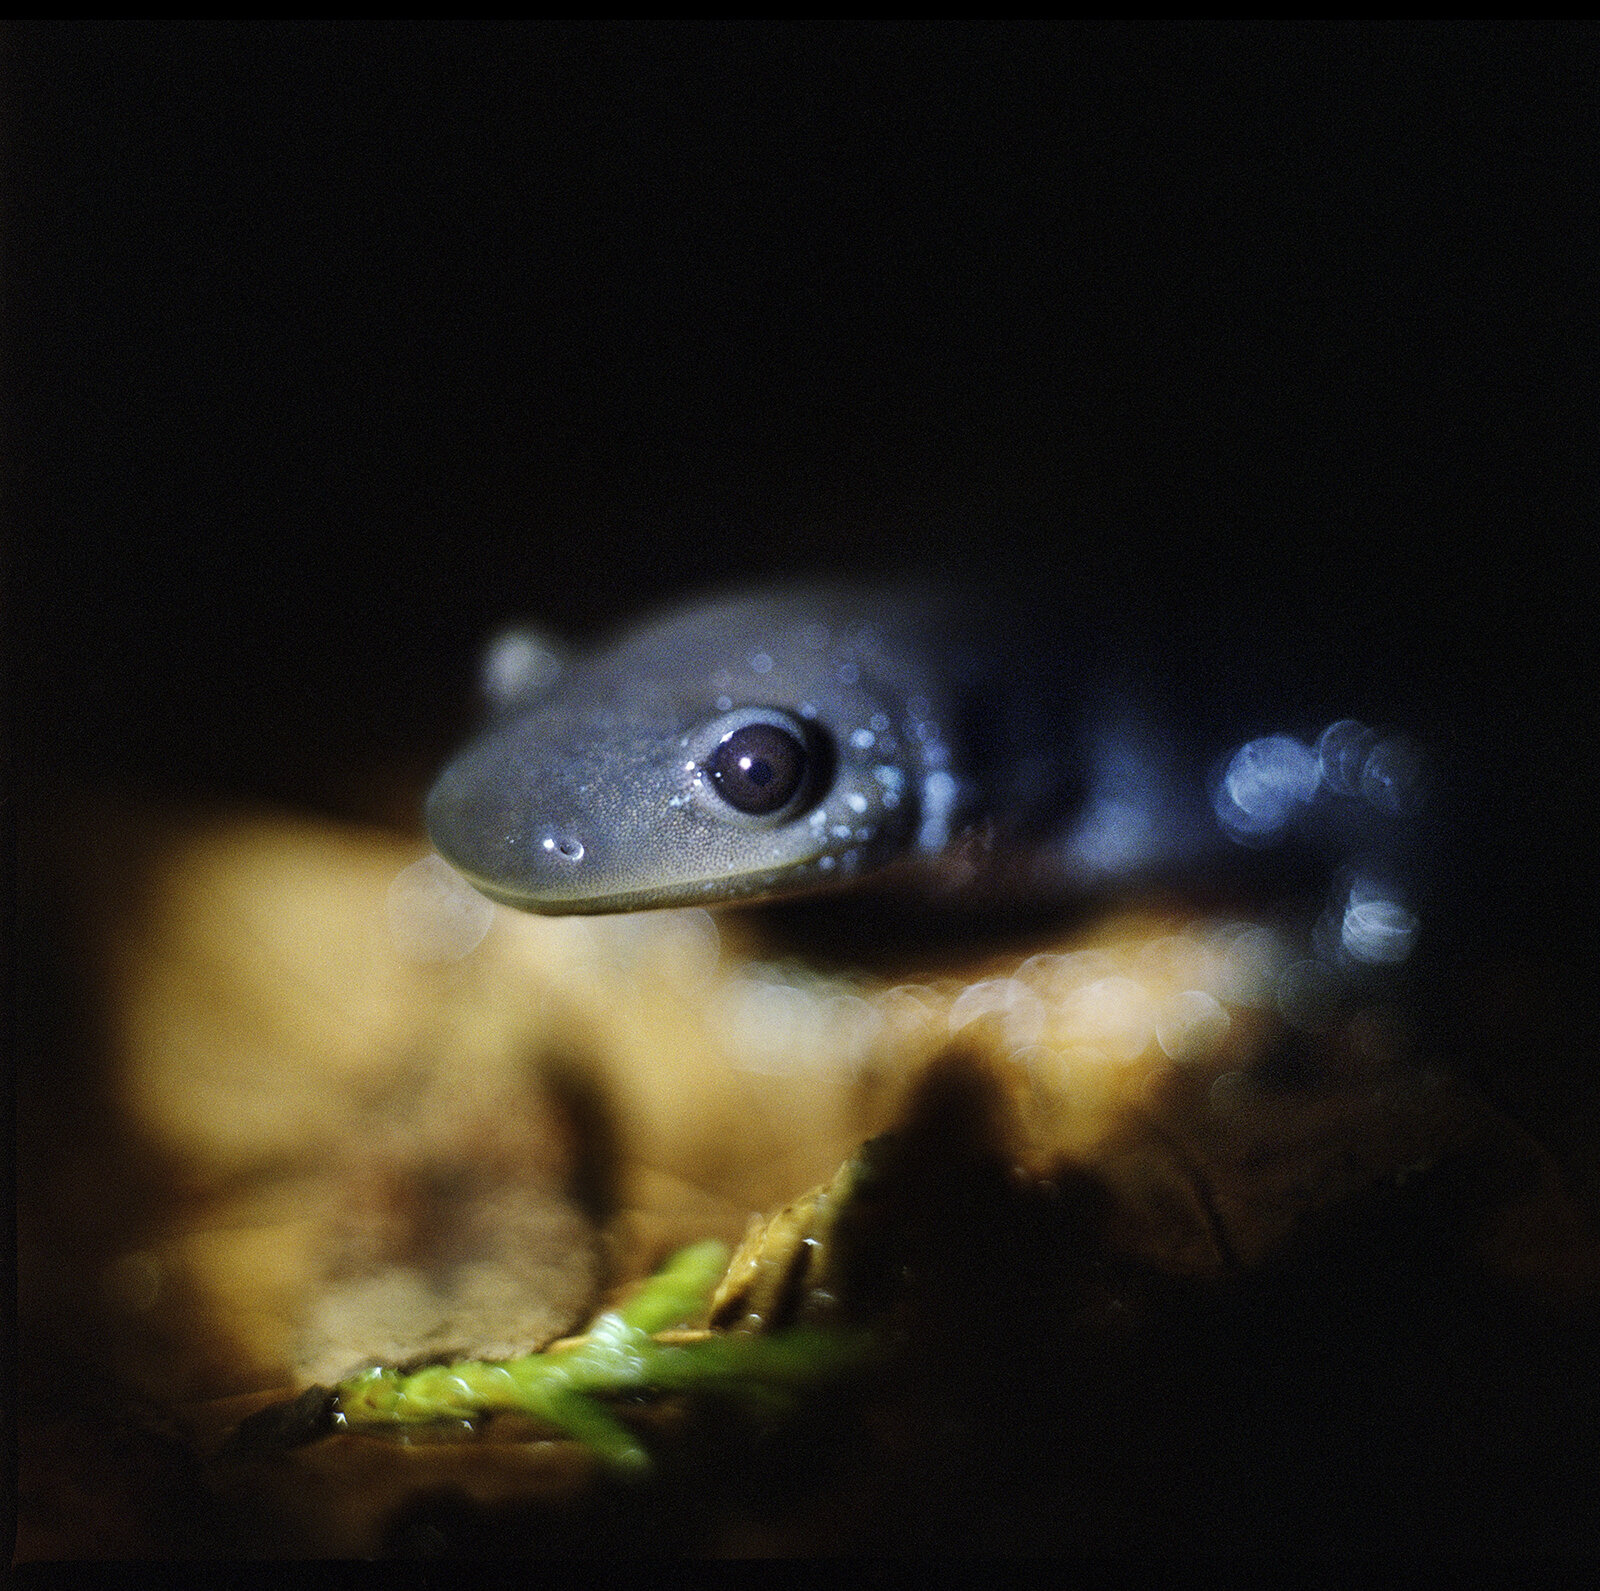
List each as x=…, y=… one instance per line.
x=841, y=831
x=848, y=673
x=856, y=801
x=724, y=704
x=862, y=739
x=761, y=662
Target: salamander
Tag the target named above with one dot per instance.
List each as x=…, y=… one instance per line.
x=760, y=745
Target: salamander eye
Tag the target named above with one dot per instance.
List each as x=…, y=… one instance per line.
x=758, y=768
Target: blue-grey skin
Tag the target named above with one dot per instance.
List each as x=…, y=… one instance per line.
x=946, y=745
x=590, y=794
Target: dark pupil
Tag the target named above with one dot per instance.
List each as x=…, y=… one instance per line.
x=758, y=768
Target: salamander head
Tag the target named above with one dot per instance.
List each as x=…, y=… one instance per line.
x=718, y=757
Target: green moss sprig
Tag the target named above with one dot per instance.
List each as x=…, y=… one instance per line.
x=567, y=1386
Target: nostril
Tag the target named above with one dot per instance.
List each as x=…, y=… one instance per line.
x=567, y=846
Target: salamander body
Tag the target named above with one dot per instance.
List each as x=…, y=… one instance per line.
x=763, y=745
